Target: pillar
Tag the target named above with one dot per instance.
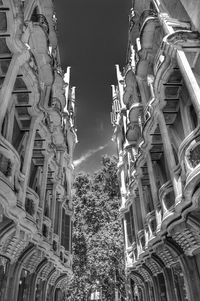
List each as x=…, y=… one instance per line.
x=171, y=294
x=154, y=191
x=28, y=153
x=170, y=157
x=18, y=59
x=185, y=68
x=156, y=289
x=191, y=276
x=44, y=182
x=32, y=289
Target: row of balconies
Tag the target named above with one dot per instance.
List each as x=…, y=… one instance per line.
x=20, y=202
x=140, y=124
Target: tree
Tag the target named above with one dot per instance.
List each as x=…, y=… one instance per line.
x=97, y=237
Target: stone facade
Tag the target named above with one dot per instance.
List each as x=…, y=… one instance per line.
x=156, y=117
x=37, y=139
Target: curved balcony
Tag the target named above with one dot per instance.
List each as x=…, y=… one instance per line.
x=142, y=243
x=189, y=157
x=167, y=200
x=130, y=91
x=146, y=16
x=46, y=230
x=58, y=91
x=136, y=112
x=133, y=133
x=39, y=47
x=150, y=39
x=56, y=243
x=31, y=207
x=68, y=259
x=9, y=163
x=151, y=223
x=31, y=202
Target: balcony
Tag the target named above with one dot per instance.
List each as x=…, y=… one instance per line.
x=32, y=202
x=42, y=21
x=152, y=226
x=146, y=16
x=189, y=157
x=142, y=242
x=38, y=43
x=9, y=166
x=167, y=200
x=31, y=207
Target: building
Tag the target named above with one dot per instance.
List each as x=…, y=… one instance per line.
x=156, y=117
x=36, y=147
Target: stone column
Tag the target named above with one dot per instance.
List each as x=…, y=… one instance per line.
x=122, y=185
x=146, y=292
x=143, y=210
x=186, y=70
x=191, y=276
x=154, y=191
x=190, y=80
x=9, y=132
x=18, y=59
x=171, y=294
x=28, y=153
x=176, y=181
x=60, y=221
x=14, y=276
x=135, y=216
x=44, y=182
x=142, y=202
x=32, y=289
x=45, y=287
x=53, y=207
x=125, y=234
x=156, y=289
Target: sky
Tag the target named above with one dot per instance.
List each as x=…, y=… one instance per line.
x=93, y=37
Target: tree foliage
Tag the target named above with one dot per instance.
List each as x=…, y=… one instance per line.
x=97, y=236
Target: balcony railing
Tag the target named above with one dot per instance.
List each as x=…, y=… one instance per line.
x=145, y=16
x=167, y=198
x=9, y=162
x=41, y=19
x=31, y=202
x=151, y=223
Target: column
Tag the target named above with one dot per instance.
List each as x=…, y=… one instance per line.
x=191, y=276
x=32, y=289
x=44, y=182
x=190, y=80
x=171, y=295
x=156, y=288
x=60, y=221
x=18, y=59
x=135, y=216
x=28, y=153
x=10, y=125
x=53, y=207
x=143, y=210
x=146, y=292
x=123, y=185
x=176, y=181
x=125, y=233
x=154, y=192
x=142, y=201
x=186, y=71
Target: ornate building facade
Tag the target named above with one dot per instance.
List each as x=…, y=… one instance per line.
x=37, y=139
x=156, y=118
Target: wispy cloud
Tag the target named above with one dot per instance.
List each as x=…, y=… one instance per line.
x=89, y=154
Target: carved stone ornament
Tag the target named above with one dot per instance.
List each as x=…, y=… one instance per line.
x=194, y=156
